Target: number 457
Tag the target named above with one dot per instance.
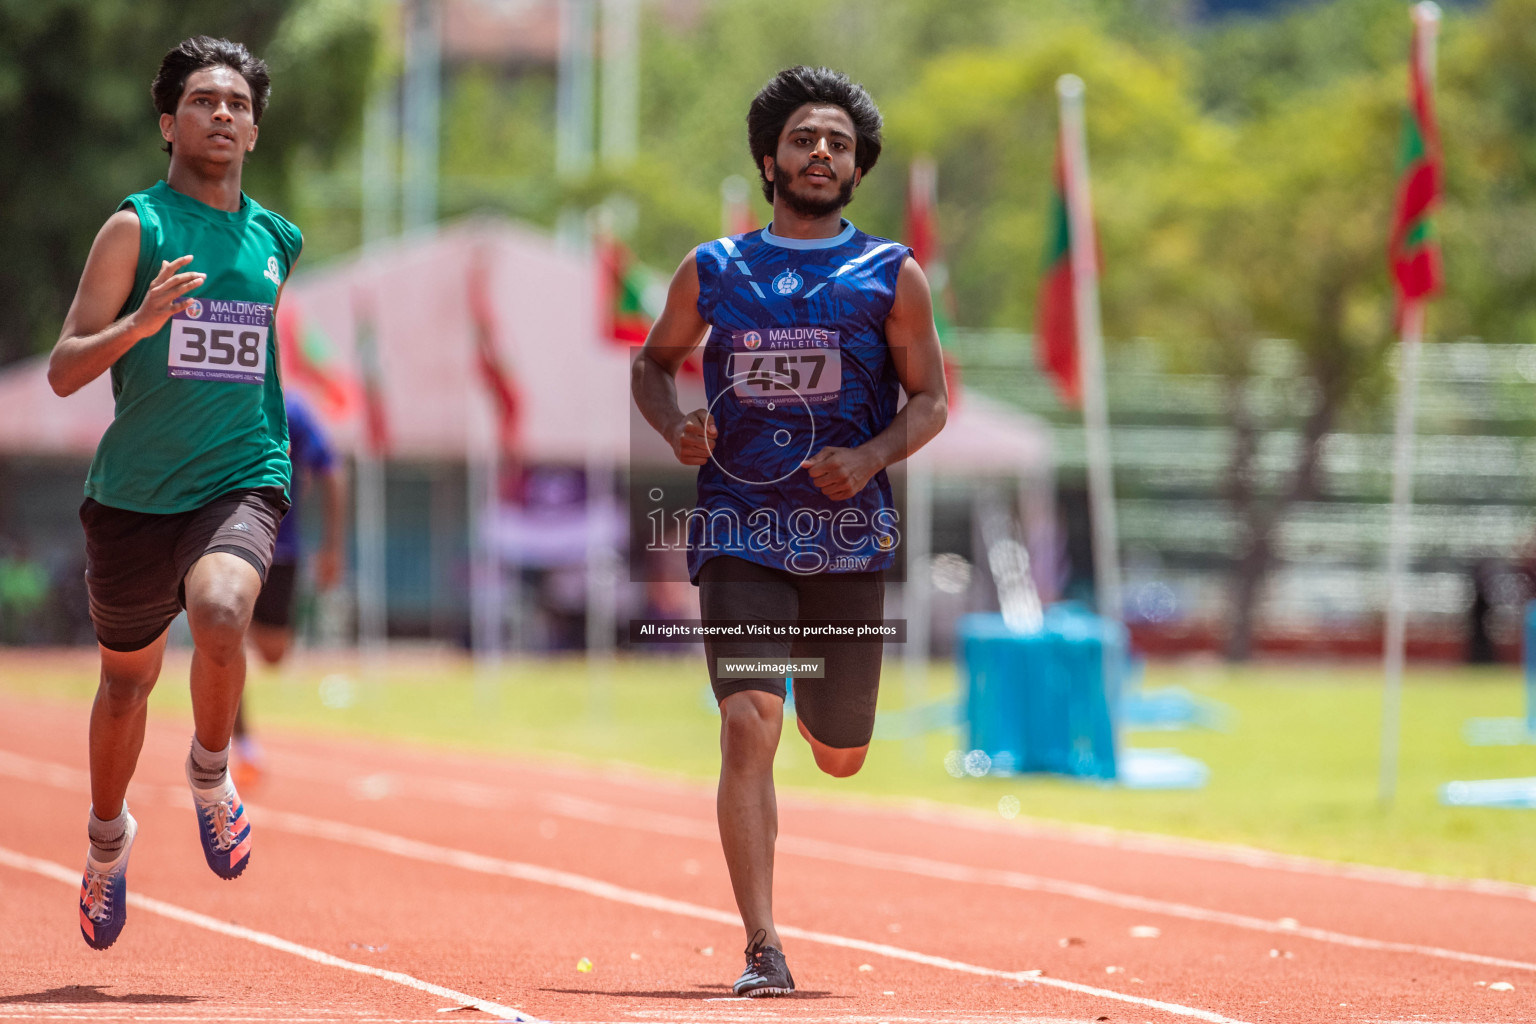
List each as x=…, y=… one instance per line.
x=785, y=374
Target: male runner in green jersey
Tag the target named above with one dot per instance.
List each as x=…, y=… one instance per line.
x=190, y=481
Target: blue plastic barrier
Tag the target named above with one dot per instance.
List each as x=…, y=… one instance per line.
x=1511, y=732
x=1041, y=702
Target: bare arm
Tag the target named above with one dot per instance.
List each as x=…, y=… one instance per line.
x=91, y=339
x=840, y=473
x=653, y=380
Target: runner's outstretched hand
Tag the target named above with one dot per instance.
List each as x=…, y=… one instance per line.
x=695, y=439
x=167, y=296
x=840, y=473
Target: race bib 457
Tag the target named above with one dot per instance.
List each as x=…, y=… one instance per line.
x=219, y=339
x=771, y=363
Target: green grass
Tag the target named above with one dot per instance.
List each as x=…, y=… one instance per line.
x=1297, y=772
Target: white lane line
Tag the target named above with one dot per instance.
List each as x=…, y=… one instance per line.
x=673, y=825
x=1104, y=836
x=929, y=812
x=379, y=786
x=58, y=872
x=384, y=842
x=400, y=846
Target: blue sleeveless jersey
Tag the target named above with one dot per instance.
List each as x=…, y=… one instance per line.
x=796, y=361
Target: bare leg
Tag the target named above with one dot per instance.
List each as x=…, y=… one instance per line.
x=271, y=643
x=117, y=722
x=750, y=724
x=221, y=591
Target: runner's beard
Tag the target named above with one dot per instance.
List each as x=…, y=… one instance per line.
x=810, y=207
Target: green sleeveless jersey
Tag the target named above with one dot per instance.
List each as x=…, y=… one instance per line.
x=199, y=403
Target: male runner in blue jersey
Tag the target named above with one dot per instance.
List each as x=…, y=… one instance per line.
x=811, y=327
x=271, y=629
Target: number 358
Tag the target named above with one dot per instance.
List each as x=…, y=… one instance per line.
x=221, y=346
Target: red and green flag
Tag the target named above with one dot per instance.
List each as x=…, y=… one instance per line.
x=371, y=371
x=1413, y=252
x=625, y=284
x=488, y=362
x=1055, y=307
x=311, y=364
x=923, y=240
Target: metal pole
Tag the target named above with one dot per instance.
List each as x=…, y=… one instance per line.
x=380, y=139
x=482, y=498
x=621, y=81
x=573, y=100
x=423, y=97
x=1090, y=346
x=602, y=569
x=1426, y=16
x=381, y=136
x=916, y=595
x=1397, y=545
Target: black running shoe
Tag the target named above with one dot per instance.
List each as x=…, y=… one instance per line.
x=767, y=974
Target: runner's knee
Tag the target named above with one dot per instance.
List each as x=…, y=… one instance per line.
x=122, y=692
x=128, y=677
x=218, y=624
x=750, y=723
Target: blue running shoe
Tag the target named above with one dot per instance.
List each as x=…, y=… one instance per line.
x=104, y=894
x=222, y=826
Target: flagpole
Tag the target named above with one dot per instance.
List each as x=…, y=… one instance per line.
x=1426, y=17
x=1397, y=543
x=1090, y=344
x=372, y=548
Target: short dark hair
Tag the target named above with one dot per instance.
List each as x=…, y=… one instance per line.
x=793, y=88
x=199, y=52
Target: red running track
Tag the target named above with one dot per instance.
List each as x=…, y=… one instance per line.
x=399, y=884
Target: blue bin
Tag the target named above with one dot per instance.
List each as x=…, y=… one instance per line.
x=1040, y=702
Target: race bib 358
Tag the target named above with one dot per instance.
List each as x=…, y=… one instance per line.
x=219, y=339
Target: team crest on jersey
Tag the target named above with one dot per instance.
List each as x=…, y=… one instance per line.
x=751, y=341
x=787, y=283
x=194, y=309
x=272, y=274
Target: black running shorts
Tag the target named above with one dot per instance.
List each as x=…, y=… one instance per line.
x=274, y=606
x=838, y=709
x=135, y=562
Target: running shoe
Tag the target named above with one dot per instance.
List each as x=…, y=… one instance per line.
x=222, y=826
x=767, y=974
x=104, y=894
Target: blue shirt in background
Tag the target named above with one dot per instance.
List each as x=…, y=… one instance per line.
x=310, y=453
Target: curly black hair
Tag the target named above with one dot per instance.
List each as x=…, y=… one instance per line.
x=199, y=52
x=791, y=89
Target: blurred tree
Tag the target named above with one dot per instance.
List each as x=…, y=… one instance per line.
x=78, y=132
x=1292, y=223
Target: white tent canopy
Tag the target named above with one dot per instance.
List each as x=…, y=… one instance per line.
x=572, y=384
